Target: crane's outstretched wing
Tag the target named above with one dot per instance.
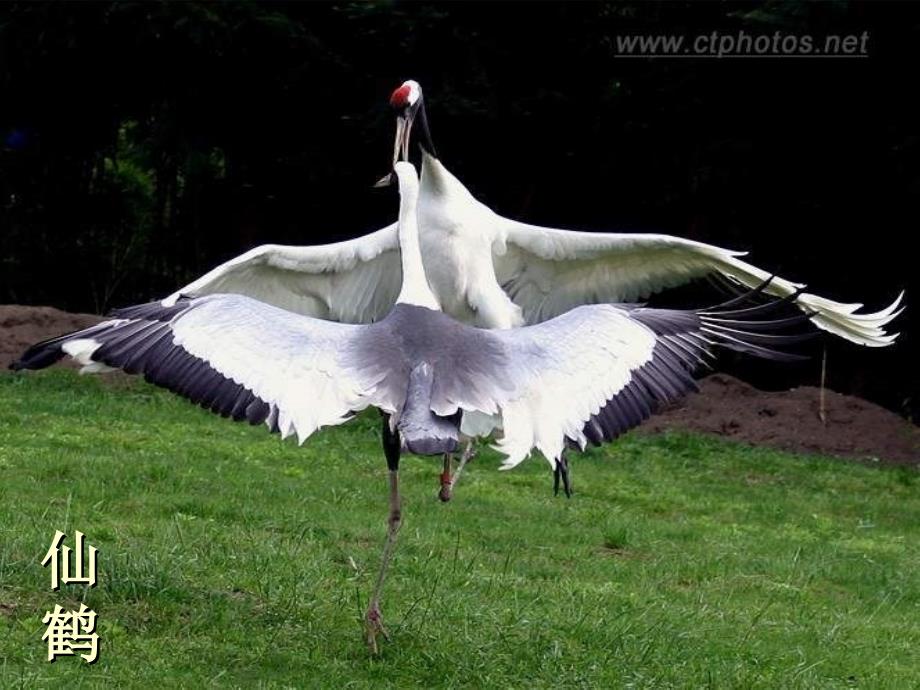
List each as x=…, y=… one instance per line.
x=599, y=370
x=356, y=281
x=546, y=272
x=233, y=355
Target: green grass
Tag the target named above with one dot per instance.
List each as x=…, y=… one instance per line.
x=230, y=558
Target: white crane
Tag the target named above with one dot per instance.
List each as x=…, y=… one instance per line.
x=585, y=376
x=495, y=272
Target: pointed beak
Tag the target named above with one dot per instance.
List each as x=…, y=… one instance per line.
x=400, y=144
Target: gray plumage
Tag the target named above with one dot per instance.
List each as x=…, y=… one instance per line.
x=422, y=431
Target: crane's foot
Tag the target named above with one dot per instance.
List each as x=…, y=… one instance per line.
x=373, y=626
x=561, y=473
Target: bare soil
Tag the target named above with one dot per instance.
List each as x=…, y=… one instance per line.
x=22, y=326
x=790, y=420
x=727, y=407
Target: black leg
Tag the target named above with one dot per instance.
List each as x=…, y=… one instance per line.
x=391, y=444
x=561, y=472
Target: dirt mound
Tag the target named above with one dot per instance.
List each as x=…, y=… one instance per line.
x=726, y=407
x=788, y=420
x=23, y=326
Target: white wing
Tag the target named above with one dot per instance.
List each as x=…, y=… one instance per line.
x=235, y=356
x=356, y=281
x=547, y=272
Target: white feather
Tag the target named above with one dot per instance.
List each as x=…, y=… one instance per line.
x=82, y=350
x=354, y=281
x=548, y=271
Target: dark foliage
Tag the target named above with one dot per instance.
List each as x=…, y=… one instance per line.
x=143, y=142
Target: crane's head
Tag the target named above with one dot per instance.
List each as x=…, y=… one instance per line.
x=406, y=96
x=408, y=103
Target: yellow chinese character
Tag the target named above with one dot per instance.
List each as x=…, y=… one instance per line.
x=71, y=631
x=63, y=574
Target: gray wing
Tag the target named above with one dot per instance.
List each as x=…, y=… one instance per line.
x=236, y=356
x=597, y=371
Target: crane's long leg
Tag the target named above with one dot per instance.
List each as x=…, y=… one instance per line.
x=561, y=471
x=448, y=480
x=373, y=621
x=373, y=618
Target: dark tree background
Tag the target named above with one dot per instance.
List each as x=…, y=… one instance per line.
x=144, y=142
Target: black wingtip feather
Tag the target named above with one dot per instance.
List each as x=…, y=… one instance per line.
x=745, y=295
x=683, y=340
x=37, y=357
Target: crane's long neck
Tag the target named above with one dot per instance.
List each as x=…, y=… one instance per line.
x=421, y=122
x=415, y=287
x=440, y=182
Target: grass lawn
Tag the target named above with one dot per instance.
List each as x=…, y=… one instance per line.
x=230, y=558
